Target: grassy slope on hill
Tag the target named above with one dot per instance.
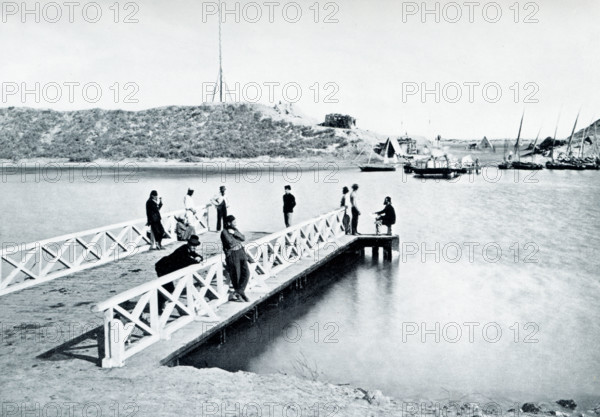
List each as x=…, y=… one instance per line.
x=180, y=133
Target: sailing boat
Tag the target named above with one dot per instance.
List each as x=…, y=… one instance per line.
x=379, y=166
x=518, y=164
x=568, y=163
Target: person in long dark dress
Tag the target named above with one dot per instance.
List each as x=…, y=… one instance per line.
x=153, y=206
x=235, y=258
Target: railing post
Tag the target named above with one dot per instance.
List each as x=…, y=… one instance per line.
x=154, y=316
x=114, y=347
x=220, y=283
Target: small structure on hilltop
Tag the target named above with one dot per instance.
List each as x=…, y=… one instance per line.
x=342, y=121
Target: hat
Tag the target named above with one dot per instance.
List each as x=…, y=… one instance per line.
x=194, y=240
x=229, y=219
x=190, y=189
x=153, y=193
x=222, y=187
x=287, y=187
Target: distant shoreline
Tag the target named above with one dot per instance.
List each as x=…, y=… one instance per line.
x=217, y=164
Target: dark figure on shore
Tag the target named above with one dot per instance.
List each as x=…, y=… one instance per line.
x=289, y=202
x=235, y=258
x=385, y=217
x=477, y=166
x=182, y=257
x=355, y=210
x=221, y=203
x=345, y=203
x=153, y=206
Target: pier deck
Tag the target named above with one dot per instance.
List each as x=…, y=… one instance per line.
x=51, y=340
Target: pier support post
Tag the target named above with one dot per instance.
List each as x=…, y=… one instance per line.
x=387, y=253
x=375, y=252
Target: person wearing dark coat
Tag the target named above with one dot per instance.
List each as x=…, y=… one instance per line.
x=181, y=257
x=386, y=217
x=153, y=206
x=235, y=258
x=221, y=203
x=354, y=209
x=289, y=202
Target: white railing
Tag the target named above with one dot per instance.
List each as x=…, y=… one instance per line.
x=133, y=319
x=26, y=265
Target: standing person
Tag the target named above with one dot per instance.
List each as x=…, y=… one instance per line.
x=221, y=203
x=385, y=217
x=289, y=202
x=190, y=207
x=355, y=210
x=345, y=203
x=235, y=258
x=183, y=256
x=153, y=206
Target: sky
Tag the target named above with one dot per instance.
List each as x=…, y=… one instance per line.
x=460, y=69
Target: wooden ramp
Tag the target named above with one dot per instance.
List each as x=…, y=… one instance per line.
x=198, y=331
x=198, y=305
x=61, y=320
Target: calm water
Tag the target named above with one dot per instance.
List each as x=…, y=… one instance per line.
x=536, y=281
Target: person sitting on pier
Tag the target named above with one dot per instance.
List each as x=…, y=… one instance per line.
x=235, y=258
x=153, y=206
x=183, y=230
x=385, y=217
x=355, y=210
x=345, y=203
x=183, y=256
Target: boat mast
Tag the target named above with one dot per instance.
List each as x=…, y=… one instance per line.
x=572, y=133
x=554, y=139
x=517, y=152
x=582, y=143
x=534, y=143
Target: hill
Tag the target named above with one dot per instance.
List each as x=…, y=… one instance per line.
x=175, y=133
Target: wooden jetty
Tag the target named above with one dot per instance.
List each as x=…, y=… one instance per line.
x=60, y=333
x=133, y=322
